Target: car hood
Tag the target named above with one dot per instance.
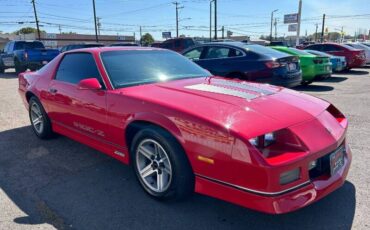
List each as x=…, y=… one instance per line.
x=248, y=109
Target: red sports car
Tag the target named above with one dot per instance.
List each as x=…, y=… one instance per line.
x=354, y=57
x=260, y=146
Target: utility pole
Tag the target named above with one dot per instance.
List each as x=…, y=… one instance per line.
x=96, y=26
x=177, y=17
x=36, y=19
x=272, y=19
x=299, y=22
x=223, y=32
x=275, y=24
x=141, y=36
x=322, y=28
x=210, y=20
x=317, y=25
x=60, y=29
x=215, y=19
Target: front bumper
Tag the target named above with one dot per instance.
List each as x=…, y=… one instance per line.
x=277, y=203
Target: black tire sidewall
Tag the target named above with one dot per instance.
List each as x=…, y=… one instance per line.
x=176, y=156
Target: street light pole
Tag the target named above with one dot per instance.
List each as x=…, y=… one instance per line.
x=299, y=22
x=272, y=19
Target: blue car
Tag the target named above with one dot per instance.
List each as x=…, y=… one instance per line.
x=338, y=62
x=249, y=62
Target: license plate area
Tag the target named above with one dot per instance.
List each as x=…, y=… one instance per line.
x=291, y=66
x=336, y=161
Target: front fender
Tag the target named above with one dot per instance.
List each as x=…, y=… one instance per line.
x=159, y=120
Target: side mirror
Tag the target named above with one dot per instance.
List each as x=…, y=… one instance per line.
x=89, y=83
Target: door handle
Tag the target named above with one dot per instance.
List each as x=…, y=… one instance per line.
x=53, y=91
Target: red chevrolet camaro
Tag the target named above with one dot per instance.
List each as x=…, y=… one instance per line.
x=264, y=147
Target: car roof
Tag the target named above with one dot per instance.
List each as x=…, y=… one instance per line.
x=112, y=48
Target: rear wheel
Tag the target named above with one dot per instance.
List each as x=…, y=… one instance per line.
x=161, y=165
x=40, y=121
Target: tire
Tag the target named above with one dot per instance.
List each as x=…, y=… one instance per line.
x=306, y=82
x=37, y=113
x=2, y=68
x=176, y=185
x=19, y=68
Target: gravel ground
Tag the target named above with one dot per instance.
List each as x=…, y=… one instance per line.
x=65, y=185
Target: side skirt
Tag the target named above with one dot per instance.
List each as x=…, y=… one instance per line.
x=118, y=152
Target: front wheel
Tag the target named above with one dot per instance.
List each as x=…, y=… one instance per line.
x=161, y=165
x=40, y=121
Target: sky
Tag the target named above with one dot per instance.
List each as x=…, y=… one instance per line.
x=242, y=17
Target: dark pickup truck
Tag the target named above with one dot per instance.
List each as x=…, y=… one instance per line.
x=23, y=55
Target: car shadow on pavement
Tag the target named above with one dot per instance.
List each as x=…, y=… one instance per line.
x=70, y=186
x=354, y=72
x=313, y=88
x=8, y=75
x=335, y=79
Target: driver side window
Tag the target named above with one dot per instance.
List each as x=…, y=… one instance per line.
x=194, y=54
x=75, y=67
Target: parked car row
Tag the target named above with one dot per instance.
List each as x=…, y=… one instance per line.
x=277, y=65
x=267, y=64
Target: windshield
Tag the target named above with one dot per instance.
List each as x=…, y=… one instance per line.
x=135, y=67
x=299, y=52
x=318, y=53
x=349, y=47
x=28, y=45
x=265, y=50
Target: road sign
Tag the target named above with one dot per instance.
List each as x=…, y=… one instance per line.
x=166, y=35
x=290, y=18
x=292, y=27
x=50, y=43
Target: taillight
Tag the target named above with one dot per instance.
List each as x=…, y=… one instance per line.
x=25, y=55
x=336, y=114
x=272, y=64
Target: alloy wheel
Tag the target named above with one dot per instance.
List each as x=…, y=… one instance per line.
x=153, y=165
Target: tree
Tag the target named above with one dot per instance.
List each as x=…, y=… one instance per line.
x=147, y=39
x=26, y=30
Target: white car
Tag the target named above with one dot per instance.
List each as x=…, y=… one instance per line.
x=362, y=47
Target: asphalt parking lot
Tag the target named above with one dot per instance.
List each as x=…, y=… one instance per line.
x=65, y=185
